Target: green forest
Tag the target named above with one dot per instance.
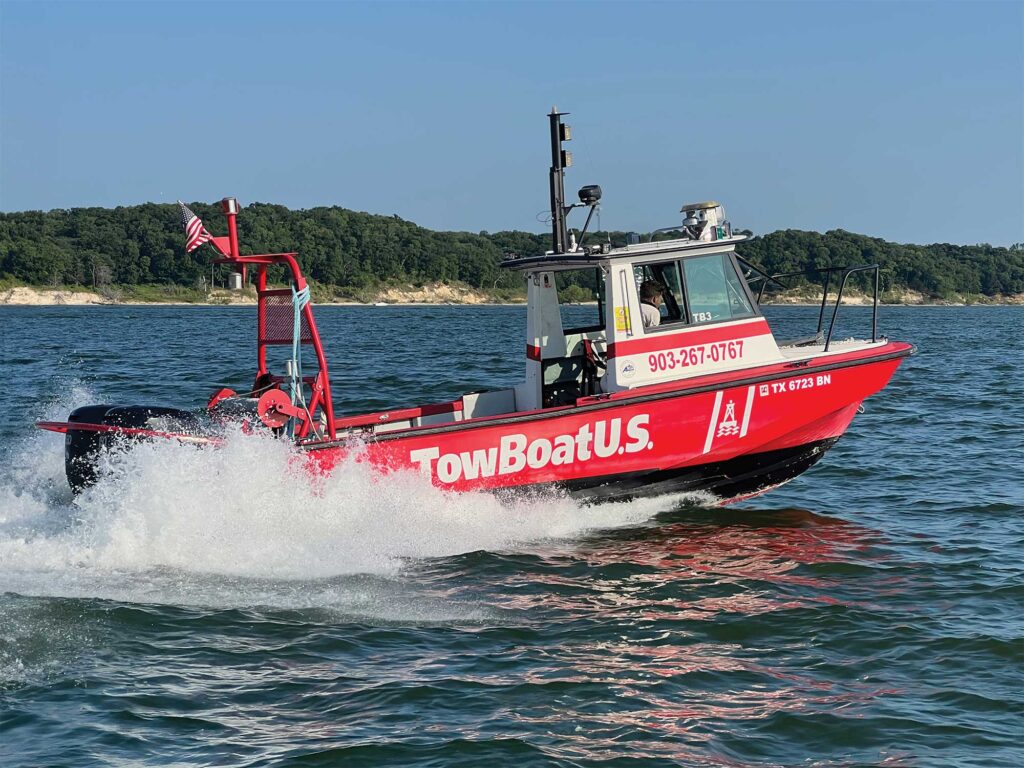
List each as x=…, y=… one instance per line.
x=347, y=253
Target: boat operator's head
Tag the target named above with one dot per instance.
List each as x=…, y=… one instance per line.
x=651, y=292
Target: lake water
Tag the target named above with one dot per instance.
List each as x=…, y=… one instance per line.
x=212, y=608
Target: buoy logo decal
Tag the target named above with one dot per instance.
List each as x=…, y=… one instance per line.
x=726, y=424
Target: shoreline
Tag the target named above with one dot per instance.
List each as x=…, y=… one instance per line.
x=427, y=305
x=433, y=296
x=28, y=296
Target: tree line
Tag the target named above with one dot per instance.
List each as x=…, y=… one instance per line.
x=144, y=245
x=938, y=271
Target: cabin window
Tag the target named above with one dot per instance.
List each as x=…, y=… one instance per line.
x=578, y=290
x=715, y=290
x=667, y=275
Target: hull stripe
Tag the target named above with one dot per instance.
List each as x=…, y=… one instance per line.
x=660, y=342
x=746, y=411
x=713, y=422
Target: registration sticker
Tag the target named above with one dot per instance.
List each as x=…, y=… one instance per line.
x=622, y=318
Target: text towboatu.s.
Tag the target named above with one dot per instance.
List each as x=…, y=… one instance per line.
x=676, y=383
x=515, y=452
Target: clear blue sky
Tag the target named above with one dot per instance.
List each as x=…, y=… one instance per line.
x=901, y=120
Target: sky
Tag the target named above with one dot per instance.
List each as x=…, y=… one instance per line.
x=898, y=120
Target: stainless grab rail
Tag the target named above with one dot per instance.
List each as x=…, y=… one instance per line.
x=826, y=272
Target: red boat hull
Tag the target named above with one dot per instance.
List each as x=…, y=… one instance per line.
x=734, y=434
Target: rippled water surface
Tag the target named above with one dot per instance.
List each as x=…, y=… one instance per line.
x=214, y=608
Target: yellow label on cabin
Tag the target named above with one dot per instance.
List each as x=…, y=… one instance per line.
x=622, y=318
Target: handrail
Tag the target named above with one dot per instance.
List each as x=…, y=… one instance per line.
x=826, y=272
x=839, y=297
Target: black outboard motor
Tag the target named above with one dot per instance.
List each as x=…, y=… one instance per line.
x=82, y=448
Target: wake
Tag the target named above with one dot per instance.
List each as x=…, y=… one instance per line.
x=166, y=515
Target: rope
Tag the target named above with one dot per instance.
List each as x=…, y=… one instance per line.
x=299, y=301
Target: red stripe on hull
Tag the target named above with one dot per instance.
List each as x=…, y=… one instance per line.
x=658, y=342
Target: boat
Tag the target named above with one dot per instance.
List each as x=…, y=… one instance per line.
x=690, y=391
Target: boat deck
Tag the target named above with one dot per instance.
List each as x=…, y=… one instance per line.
x=817, y=349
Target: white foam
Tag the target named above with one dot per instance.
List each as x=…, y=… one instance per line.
x=177, y=523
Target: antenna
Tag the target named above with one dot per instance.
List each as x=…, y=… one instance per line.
x=560, y=160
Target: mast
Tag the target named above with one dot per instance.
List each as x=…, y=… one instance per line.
x=560, y=160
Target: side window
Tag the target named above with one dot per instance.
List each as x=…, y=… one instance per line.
x=581, y=299
x=714, y=289
x=666, y=277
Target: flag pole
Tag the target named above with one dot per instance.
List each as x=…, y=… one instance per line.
x=230, y=207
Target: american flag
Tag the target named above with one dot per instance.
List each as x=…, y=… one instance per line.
x=195, y=232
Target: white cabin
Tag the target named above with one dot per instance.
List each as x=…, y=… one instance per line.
x=705, y=319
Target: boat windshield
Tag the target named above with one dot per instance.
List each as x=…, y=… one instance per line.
x=715, y=290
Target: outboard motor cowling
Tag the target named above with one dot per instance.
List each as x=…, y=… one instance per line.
x=82, y=447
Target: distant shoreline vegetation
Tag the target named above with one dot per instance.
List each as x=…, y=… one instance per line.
x=136, y=253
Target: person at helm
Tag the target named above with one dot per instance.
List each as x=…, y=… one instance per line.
x=650, y=302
